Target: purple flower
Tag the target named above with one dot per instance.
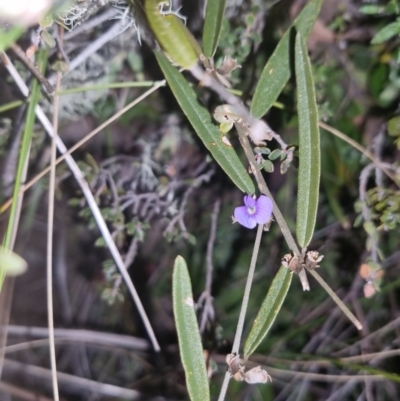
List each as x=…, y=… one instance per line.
x=255, y=211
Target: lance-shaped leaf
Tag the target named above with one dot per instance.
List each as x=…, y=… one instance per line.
x=276, y=72
x=269, y=309
x=200, y=118
x=309, y=146
x=386, y=33
x=212, y=26
x=190, y=347
x=12, y=226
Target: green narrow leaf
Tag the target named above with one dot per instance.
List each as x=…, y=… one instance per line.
x=309, y=146
x=190, y=347
x=11, y=105
x=12, y=227
x=276, y=72
x=209, y=133
x=212, y=26
x=386, y=33
x=269, y=309
x=372, y=9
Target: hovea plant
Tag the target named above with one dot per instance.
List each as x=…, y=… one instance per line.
x=178, y=47
x=235, y=133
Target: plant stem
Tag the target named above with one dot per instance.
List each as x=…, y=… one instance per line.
x=262, y=186
x=239, y=328
x=243, y=309
x=112, y=85
x=285, y=229
x=361, y=149
x=336, y=299
x=224, y=387
x=32, y=68
x=50, y=229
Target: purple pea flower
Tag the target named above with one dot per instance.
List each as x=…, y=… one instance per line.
x=255, y=211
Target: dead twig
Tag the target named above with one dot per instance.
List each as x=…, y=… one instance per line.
x=205, y=298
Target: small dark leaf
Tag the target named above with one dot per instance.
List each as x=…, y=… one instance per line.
x=48, y=39
x=268, y=166
x=394, y=126
x=372, y=9
x=284, y=167
x=275, y=154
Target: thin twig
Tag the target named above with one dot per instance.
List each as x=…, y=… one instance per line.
x=208, y=312
x=132, y=252
x=111, y=85
x=246, y=295
x=93, y=22
x=61, y=273
x=393, y=325
x=210, y=245
x=72, y=383
x=50, y=228
x=70, y=335
x=17, y=392
x=337, y=300
x=360, y=148
x=32, y=68
x=323, y=363
x=93, y=47
x=60, y=46
x=324, y=377
x=224, y=386
x=179, y=218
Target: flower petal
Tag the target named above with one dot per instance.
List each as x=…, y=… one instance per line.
x=249, y=201
x=264, y=208
x=244, y=218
